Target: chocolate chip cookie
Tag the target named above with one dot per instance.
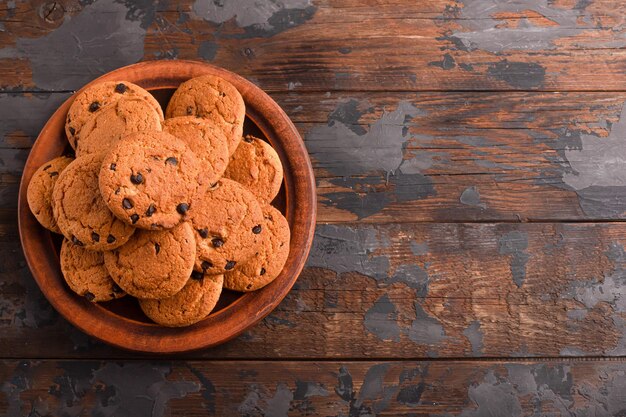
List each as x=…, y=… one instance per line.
x=206, y=141
x=39, y=193
x=154, y=264
x=268, y=261
x=86, y=275
x=106, y=127
x=256, y=165
x=212, y=98
x=190, y=305
x=81, y=213
x=227, y=222
x=99, y=96
x=148, y=179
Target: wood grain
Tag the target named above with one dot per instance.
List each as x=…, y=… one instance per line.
x=400, y=291
x=326, y=45
x=554, y=388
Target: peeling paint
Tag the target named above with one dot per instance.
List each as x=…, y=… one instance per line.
x=307, y=389
x=278, y=405
x=471, y=197
x=515, y=243
x=447, y=62
x=491, y=395
x=382, y=320
x=475, y=336
x=419, y=248
x=523, y=75
x=426, y=330
x=97, y=40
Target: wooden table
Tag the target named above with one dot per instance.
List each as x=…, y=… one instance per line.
x=471, y=169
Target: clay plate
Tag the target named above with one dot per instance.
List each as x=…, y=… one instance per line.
x=121, y=322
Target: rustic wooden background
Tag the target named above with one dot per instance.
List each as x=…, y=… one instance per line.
x=470, y=158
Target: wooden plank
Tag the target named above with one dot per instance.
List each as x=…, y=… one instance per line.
x=324, y=45
x=141, y=388
x=448, y=157
x=399, y=291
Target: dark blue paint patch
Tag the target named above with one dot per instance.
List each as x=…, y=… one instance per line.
x=456, y=43
x=382, y=320
x=344, y=50
x=411, y=395
x=308, y=389
x=446, y=63
x=140, y=10
x=414, y=276
x=475, y=337
x=273, y=320
x=207, y=50
x=471, y=197
x=426, y=330
x=466, y=67
x=522, y=75
x=349, y=114
x=556, y=378
x=515, y=243
x=207, y=391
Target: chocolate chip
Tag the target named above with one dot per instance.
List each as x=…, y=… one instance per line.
x=72, y=131
x=111, y=239
x=94, y=106
x=248, y=286
x=53, y=173
x=151, y=210
x=89, y=296
x=197, y=275
x=262, y=271
x=189, y=110
x=95, y=237
x=204, y=233
x=47, y=167
x=113, y=167
x=120, y=88
x=117, y=289
x=222, y=94
x=182, y=208
x=217, y=242
x=172, y=161
x=230, y=265
x=206, y=265
x=248, y=139
x=157, y=248
x=127, y=204
x=134, y=218
x=256, y=229
x=117, y=191
x=76, y=241
x=136, y=179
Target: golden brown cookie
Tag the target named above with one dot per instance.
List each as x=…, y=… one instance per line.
x=99, y=96
x=212, y=98
x=269, y=260
x=256, y=165
x=148, y=179
x=39, y=193
x=153, y=264
x=206, y=141
x=227, y=221
x=81, y=213
x=107, y=126
x=190, y=305
x=86, y=275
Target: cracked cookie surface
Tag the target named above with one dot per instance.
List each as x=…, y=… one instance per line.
x=256, y=165
x=227, y=221
x=148, y=179
x=81, y=213
x=213, y=98
x=154, y=264
x=267, y=263
x=98, y=97
x=188, y=306
x=86, y=275
x=39, y=193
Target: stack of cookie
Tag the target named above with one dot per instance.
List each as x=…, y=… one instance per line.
x=169, y=209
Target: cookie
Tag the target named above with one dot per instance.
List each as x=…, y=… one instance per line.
x=154, y=264
x=99, y=96
x=39, y=193
x=190, y=305
x=86, y=275
x=256, y=165
x=107, y=126
x=206, y=141
x=212, y=98
x=227, y=222
x=81, y=213
x=148, y=179
x=269, y=260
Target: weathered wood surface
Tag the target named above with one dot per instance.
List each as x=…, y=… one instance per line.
x=400, y=291
x=513, y=389
x=427, y=156
x=324, y=45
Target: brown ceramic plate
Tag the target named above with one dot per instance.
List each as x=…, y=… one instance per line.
x=121, y=322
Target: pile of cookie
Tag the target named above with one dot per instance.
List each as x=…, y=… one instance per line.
x=168, y=209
